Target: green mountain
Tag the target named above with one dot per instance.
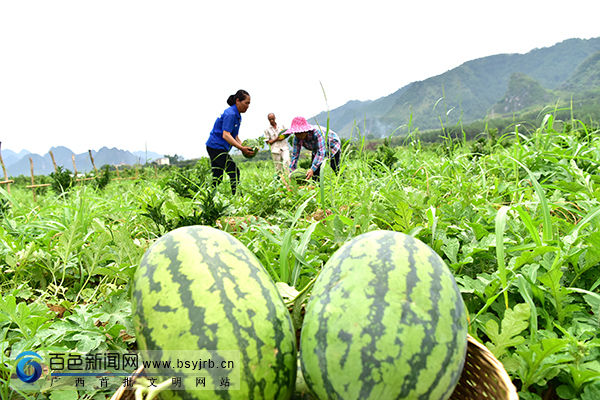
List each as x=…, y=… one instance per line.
x=523, y=91
x=586, y=76
x=466, y=93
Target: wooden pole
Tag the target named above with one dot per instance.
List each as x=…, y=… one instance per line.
x=74, y=166
x=93, y=164
x=6, y=180
x=32, y=180
x=53, y=161
x=117, y=169
x=155, y=171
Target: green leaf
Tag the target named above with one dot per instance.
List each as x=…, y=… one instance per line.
x=525, y=291
x=542, y=361
x=591, y=392
x=559, y=294
x=64, y=395
x=528, y=222
x=515, y=321
x=572, y=236
x=547, y=234
x=582, y=375
x=528, y=257
x=88, y=341
x=566, y=392
x=501, y=217
x=117, y=310
x=450, y=249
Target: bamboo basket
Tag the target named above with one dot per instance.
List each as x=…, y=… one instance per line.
x=483, y=378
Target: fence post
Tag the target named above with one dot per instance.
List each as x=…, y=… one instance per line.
x=32, y=180
x=53, y=161
x=33, y=186
x=93, y=164
x=6, y=181
x=74, y=166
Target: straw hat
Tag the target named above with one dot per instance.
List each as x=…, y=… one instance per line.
x=299, y=125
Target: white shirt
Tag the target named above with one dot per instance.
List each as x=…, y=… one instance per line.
x=273, y=133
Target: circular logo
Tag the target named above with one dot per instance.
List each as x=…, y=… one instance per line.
x=29, y=370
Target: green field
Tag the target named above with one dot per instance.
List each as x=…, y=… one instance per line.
x=514, y=216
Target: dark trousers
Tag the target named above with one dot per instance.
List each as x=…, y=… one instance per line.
x=221, y=162
x=334, y=162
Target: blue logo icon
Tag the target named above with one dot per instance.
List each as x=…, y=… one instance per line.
x=26, y=364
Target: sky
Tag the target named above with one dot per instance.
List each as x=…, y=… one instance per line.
x=154, y=75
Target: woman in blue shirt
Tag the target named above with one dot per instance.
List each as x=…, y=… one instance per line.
x=224, y=135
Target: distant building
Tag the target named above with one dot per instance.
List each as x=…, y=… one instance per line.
x=162, y=161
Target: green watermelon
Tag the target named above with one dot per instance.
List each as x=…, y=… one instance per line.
x=298, y=175
x=385, y=321
x=255, y=144
x=199, y=288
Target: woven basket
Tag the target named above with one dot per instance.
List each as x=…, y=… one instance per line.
x=483, y=378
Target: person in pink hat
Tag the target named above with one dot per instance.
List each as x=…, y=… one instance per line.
x=320, y=142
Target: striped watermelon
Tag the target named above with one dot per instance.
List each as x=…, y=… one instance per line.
x=385, y=321
x=199, y=288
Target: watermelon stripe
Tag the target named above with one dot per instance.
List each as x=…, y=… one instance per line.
x=456, y=310
x=376, y=326
x=320, y=349
x=196, y=314
x=419, y=359
x=222, y=274
x=217, y=296
x=385, y=320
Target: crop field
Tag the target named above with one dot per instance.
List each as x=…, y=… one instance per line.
x=515, y=217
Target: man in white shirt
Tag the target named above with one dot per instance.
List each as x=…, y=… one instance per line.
x=279, y=146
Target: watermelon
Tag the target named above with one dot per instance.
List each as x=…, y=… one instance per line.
x=298, y=175
x=385, y=321
x=199, y=288
x=283, y=134
x=255, y=144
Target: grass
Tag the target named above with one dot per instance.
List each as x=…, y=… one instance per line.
x=516, y=223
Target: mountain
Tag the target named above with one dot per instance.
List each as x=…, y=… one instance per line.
x=9, y=156
x=63, y=156
x=149, y=155
x=523, y=91
x=586, y=76
x=465, y=93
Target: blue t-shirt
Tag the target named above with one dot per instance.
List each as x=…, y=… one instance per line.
x=229, y=121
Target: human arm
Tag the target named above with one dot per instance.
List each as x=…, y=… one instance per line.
x=236, y=143
x=296, y=147
x=273, y=135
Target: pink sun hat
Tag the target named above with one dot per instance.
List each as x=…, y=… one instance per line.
x=299, y=125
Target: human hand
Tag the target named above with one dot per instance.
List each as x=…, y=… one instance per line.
x=309, y=174
x=247, y=151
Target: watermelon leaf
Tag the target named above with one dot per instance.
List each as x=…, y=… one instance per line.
x=591, y=392
x=541, y=361
x=515, y=321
